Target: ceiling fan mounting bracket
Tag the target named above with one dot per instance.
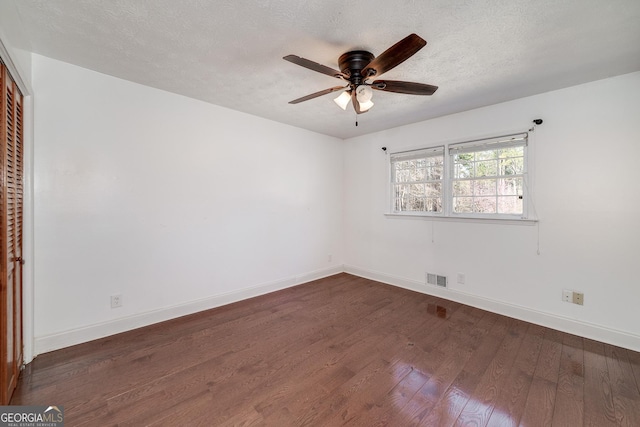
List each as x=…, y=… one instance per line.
x=352, y=63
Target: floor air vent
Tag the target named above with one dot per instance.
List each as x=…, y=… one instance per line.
x=436, y=280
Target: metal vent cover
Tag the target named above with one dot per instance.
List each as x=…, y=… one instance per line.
x=436, y=280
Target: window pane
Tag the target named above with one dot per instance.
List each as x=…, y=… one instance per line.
x=435, y=161
x=510, y=186
x=484, y=204
x=486, y=155
x=413, y=204
x=433, y=189
x=463, y=157
x=510, y=205
x=402, y=165
x=512, y=166
x=487, y=168
x=484, y=187
x=434, y=173
x=401, y=191
x=462, y=204
x=402, y=176
x=511, y=152
x=434, y=205
x=418, y=174
x=463, y=170
x=462, y=188
x=417, y=190
x=411, y=197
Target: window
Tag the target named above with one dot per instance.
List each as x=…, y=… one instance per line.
x=483, y=178
x=488, y=176
x=416, y=180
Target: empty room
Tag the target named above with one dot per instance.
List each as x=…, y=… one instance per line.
x=322, y=213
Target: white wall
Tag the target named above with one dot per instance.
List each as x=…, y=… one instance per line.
x=176, y=204
x=587, y=199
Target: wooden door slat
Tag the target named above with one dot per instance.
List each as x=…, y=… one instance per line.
x=11, y=215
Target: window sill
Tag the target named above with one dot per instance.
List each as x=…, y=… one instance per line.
x=511, y=221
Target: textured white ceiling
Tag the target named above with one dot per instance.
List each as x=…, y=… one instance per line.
x=229, y=52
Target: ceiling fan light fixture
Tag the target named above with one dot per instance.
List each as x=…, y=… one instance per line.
x=364, y=94
x=343, y=100
x=364, y=106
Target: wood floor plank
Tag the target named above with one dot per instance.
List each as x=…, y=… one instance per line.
x=634, y=360
x=626, y=398
x=538, y=410
x=456, y=380
x=548, y=365
x=343, y=350
x=569, y=406
x=512, y=398
x=598, y=400
x=542, y=393
x=482, y=402
x=442, y=398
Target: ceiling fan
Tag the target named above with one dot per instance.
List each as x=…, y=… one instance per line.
x=359, y=66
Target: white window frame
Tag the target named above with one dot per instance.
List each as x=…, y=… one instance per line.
x=515, y=139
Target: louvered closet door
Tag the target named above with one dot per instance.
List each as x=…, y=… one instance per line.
x=11, y=126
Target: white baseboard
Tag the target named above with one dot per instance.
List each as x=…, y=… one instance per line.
x=68, y=338
x=572, y=326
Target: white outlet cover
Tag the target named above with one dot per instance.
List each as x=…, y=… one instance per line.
x=116, y=301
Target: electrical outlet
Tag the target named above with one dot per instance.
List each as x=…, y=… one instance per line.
x=573, y=297
x=329, y=258
x=116, y=301
x=578, y=298
x=461, y=278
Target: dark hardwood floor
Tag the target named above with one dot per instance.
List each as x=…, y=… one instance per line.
x=339, y=351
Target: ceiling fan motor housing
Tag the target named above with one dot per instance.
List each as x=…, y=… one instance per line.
x=352, y=63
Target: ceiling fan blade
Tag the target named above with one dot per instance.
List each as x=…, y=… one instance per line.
x=404, y=87
x=395, y=55
x=317, y=94
x=314, y=66
x=356, y=104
